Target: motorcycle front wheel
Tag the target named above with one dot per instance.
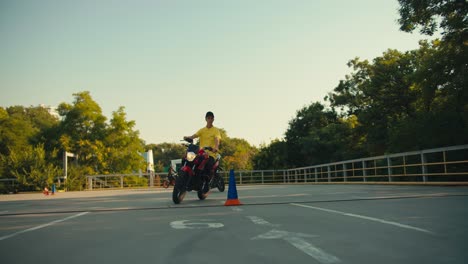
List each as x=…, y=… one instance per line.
x=179, y=191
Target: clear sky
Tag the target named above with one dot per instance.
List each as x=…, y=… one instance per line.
x=253, y=63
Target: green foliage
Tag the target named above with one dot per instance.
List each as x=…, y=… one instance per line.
x=399, y=101
x=430, y=15
x=272, y=156
x=30, y=136
x=31, y=167
x=76, y=178
x=102, y=148
x=16, y=130
x=318, y=135
x=237, y=154
x=443, y=69
x=123, y=145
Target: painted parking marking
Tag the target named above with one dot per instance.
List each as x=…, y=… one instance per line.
x=199, y=224
x=295, y=239
x=260, y=221
x=366, y=218
x=236, y=209
x=42, y=226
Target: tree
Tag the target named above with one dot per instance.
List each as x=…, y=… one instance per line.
x=311, y=136
x=83, y=131
x=16, y=130
x=272, y=156
x=444, y=72
x=379, y=95
x=237, y=154
x=123, y=145
x=31, y=167
x=430, y=15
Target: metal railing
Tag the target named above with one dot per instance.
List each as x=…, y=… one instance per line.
x=447, y=165
x=441, y=165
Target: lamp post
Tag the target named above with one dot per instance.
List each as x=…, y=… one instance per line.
x=65, y=163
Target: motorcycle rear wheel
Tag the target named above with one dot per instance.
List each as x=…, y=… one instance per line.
x=202, y=195
x=166, y=184
x=220, y=184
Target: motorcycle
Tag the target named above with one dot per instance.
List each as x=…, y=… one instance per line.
x=194, y=176
x=171, y=178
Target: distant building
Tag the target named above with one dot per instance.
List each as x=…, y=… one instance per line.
x=51, y=109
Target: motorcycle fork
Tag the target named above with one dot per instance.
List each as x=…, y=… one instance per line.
x=188, y=178
x=203, y=162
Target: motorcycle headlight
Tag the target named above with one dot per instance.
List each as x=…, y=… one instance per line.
x=191, y=156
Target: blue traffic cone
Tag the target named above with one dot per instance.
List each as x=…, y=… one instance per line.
x=232, y=198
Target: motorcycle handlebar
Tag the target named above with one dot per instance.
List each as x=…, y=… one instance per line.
x=189, y=140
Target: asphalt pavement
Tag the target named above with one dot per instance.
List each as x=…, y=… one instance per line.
x=275, y=224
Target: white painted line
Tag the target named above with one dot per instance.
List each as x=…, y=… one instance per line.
x=366, y=218
x=42, y=226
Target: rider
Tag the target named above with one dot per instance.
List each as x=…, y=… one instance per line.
x=210, y=136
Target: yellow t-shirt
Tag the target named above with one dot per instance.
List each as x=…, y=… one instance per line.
x=207, y=137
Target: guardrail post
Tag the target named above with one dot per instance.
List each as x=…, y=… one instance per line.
x=445, y=163
x=151, y=180
x=404, y=166
x=121, y=182
x=345, y=173
x=389, y=169
x=262, y=178
x=329, y=173
x=424, y=167
x=315, y=172
x=364, y=171
x=90, y=183
x=305, y=175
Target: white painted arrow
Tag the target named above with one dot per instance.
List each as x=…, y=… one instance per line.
x=296, y=239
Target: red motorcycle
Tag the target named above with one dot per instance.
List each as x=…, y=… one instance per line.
x=194, y=175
